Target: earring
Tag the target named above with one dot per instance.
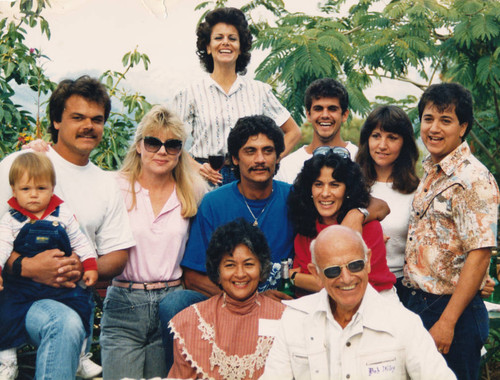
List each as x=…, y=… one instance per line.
x=347, y=197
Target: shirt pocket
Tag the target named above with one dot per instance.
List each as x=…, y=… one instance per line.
x=300, y=364
x=383, y=364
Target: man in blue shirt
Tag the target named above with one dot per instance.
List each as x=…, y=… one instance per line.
x=255, y=145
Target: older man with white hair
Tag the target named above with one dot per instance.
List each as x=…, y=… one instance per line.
x=347, y=330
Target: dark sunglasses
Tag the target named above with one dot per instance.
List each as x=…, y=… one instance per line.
x=338, y=150
x=153, y=145
x=353, y=267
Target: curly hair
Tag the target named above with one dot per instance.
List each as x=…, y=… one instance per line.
x=301, y=209
x=231, y=16
x=394, y=120
x=227, y=237
x=251, y=126
x=88, y=88
x=326, y=88
x=444, y=95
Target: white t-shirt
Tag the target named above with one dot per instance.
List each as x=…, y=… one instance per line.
x=395, y=225
x=91, y=194
x=292, y=164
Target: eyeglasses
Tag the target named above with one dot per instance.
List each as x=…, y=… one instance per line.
x=153, y=145
x=338, y=150
x=353, y=267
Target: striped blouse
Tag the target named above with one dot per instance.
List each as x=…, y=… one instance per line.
x=210, y=113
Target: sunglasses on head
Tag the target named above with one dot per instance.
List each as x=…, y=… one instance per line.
x=335, y=270
x=153, y=145
x=338, y=150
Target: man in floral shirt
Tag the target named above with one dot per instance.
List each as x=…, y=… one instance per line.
x=453, y=226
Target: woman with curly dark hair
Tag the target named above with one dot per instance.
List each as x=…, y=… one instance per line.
x=328, y=186
x=212, y=106
x=229, y=335
x=387, y=156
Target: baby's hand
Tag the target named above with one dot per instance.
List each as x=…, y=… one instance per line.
x=90, y=277
x=37, y=145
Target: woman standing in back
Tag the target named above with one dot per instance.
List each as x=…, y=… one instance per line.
x=212, y=106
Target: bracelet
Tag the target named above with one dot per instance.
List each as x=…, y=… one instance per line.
x=292, y=278
x=365, y=213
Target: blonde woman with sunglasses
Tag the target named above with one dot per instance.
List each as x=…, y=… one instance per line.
x=327, y=188
x=162, y=192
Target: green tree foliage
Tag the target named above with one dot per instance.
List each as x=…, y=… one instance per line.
x=442, y=40
x=23, y=65
x=120, y=126
x=19, y=64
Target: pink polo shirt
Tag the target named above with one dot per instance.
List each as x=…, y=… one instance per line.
x=160, y=240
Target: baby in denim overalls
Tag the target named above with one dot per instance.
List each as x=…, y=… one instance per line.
x=38, y=221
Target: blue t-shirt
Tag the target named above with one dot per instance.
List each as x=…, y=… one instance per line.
x=226, y=204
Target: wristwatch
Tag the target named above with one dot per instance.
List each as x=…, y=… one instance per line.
x=365, y=213
x=292, y=278
x=17, y=266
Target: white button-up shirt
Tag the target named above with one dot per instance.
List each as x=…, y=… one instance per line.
x=210, y=113
x=382, y=341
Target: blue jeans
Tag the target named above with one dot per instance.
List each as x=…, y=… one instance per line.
x=131, y=336
x=471, y=330
x=58, y=332
x=169, y=307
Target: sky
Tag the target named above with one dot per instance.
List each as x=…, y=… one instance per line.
x=91, y=36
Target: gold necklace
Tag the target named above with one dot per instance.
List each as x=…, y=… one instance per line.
x=256, y=219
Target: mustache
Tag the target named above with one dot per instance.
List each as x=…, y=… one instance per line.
x=87, y=134
x=259, y=168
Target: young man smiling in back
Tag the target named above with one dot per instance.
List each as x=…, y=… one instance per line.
x=327, y=103
x=453, y=226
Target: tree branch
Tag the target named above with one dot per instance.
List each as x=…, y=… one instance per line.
x=401, y=79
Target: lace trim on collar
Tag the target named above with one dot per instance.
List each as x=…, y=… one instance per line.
x=233, y=366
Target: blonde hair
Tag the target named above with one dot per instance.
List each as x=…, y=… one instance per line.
x=36, y=165
x=189, y=184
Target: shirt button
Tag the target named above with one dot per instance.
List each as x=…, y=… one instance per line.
x=312, y=338
x=348, y=344
x=418, y=213
x=347, y=376
x=425, y=190
x=413, y=292
x=410, y=238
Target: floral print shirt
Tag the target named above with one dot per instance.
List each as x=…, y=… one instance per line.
x=454, y=211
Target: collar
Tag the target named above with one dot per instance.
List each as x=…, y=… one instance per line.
x=451, y=162
x=373, y=313
x=240, y=307
x=54, y=202
x=237, y=190
x=238, y=83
